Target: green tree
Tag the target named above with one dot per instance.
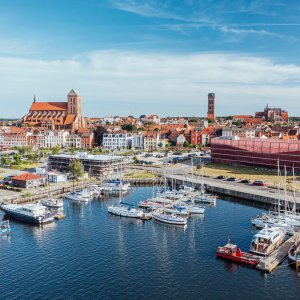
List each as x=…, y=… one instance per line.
x=56, y=149
x=129, y=127
x=76, y=169
x=31, y=156
x=17, y=159
x=4, y=160
x=186, y=144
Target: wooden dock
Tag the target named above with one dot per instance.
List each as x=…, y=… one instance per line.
x=270, y=263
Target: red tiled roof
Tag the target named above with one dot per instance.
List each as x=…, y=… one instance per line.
x=49, y=106
x=69, y=119
x=27, y=176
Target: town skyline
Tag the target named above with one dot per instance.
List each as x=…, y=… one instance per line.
x=133, y=57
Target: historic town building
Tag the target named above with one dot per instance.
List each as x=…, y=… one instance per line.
x=57, y=115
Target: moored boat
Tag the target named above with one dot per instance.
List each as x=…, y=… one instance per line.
x=53, y=203
x=125, y=210
x=267, y=240
x=31, y=213
x=170, y=219
x=234, y=253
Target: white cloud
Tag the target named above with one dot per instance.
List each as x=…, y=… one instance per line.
x=114, y=82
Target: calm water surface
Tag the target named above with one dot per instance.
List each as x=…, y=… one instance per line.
x=94, y=255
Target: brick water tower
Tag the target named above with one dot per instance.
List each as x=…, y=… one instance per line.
x=211, y=106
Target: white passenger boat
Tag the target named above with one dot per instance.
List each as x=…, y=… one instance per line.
x=267, y=240
x=32, y=213
x=125, y=210
x=169, y=219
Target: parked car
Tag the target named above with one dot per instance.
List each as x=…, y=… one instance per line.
x=231, y=179
x=220, y=177
x=259, y=183
x=245, y=181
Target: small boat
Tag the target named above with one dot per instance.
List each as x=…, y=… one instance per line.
x=149, y=204
x=267, y=240
x=31, y=213
x=78, y=197
x=234, y=253
x=125, y=210
x=53, y=203
x=194, y=209
x=170, y=219
x=5, y=228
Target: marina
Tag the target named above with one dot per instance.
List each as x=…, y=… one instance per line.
x=109, y=246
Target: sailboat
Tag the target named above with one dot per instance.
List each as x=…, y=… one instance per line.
x=277, y=219
x=204, y=197
x=170, y=218
x=124, y=209
x=192, y=208
x=50, y=201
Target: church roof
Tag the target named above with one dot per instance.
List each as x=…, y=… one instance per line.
x=73, y=92
x=69, y=119
x=49, y=106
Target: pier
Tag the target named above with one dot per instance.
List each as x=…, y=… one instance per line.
x=270, y=263
x=249, y=192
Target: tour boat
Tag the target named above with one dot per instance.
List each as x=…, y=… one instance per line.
x=32, y=213
x=267, y=240
x=125, y=210
x=53, y=203
x=5, y=228
x=234, y=253
x=170, y=219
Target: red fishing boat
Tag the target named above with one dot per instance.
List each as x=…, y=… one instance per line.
x=232, y=252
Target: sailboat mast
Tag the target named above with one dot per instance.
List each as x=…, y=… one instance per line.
x=278, y=191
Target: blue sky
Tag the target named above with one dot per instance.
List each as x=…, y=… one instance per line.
x=133, y=57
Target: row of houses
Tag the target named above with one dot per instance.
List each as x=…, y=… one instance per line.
x=141, y=140
x=45, y=138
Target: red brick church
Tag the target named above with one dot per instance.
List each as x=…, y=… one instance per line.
x=57, y=115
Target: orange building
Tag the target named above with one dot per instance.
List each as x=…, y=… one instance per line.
x=57, y=115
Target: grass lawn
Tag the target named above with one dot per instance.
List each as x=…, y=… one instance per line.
x=24, y=165
x=252, y=174
x=137, y=174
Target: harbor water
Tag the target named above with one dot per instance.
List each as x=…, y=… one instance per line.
x=94, y=255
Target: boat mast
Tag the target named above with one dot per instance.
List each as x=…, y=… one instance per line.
x=294, y=190
x=192, y=164
x=285, y=192
x=278, y=190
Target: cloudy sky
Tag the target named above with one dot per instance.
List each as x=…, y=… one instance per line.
x=132, y=57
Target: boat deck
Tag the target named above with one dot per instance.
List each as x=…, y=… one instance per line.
x=270, y=263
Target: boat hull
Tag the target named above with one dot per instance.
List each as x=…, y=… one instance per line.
x=168, y=221
x=28, y=219
x=243, y=260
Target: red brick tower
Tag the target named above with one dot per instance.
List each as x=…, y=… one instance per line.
x=211, y=106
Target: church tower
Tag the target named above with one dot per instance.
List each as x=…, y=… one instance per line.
x=74, y=103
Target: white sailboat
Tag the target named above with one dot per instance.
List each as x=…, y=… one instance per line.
x=192, y=208
x=124, y=209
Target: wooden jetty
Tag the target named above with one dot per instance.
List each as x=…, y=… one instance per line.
x=270, y=263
